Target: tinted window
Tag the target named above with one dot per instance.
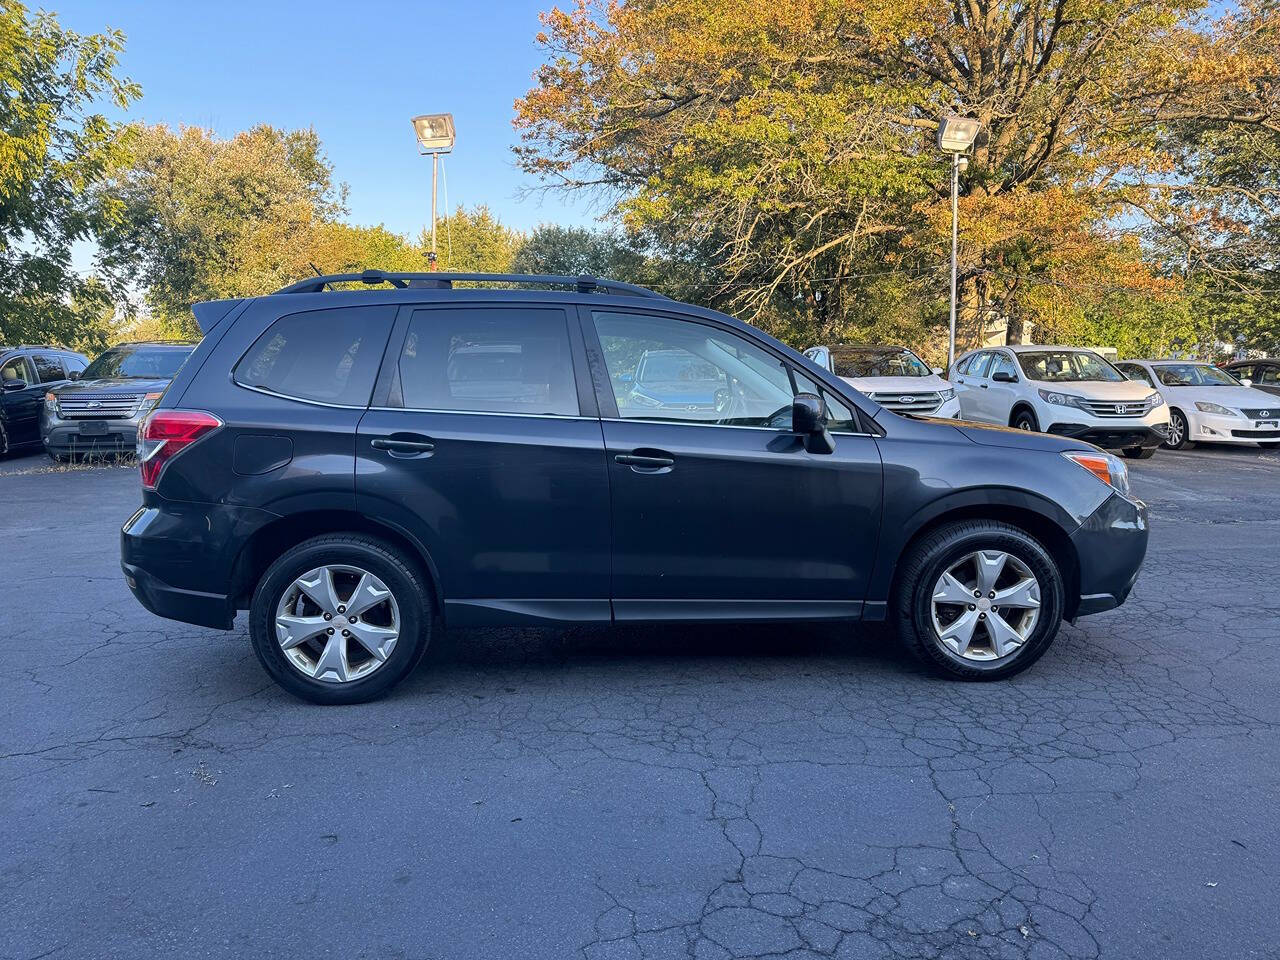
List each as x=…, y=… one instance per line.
x=74, y=364
x=15, y=368
x=871, y=362
x=48, y=369
x=139, y=361
x=488, y=360
x=708, y=375
x=1241, y=373
x=840, y=417
x=1135, y=372
x=331, y=356
x=1067, y=366
x=1268, y=375
x=1194, y=375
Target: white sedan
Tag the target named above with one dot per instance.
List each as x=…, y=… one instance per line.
x=1208, y=405
x=894, y=377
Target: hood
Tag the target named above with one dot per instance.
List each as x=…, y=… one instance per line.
x=993, y=436
x=1125, y=391
x=112, y=385
x=1227, y=396
x=680, y=391
x=902, y=386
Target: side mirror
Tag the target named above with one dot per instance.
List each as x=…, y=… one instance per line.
x=937, y=371
x=11, y=385
x=73, y=376
x=1001, y=376
x=1246, y=383
x=809, y=419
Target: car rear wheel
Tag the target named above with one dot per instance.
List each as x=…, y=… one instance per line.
x=1176, y=439
x=4, y=441
x=340, y=619
x=1140, y=453
x=1025, y=419
x=978, y=600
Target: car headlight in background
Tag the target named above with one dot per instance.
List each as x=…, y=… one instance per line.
x=1205, y=406
x=145, y=405
x=1110, y=470
x=947, y=394
x=1155, y=400
x=1064, y=399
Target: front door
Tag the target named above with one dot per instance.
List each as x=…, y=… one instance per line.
x=718, y=510
x=22, y=407
x=483, y=444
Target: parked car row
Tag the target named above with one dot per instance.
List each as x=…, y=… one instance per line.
x=1134, y=406
x=59, y=399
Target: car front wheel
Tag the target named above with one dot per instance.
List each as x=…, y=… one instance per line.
x=1176, y=439
x=340, y=619
x=978, y=600
x=1025, y=419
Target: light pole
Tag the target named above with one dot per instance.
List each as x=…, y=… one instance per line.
x=435, y=135
x=955, y=136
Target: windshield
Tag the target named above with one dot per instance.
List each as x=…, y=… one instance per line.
x=139, y=362
x=877, y=363
x=1194, y=375
x=1067, y=366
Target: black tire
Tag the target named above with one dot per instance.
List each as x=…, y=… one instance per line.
x=925, y=561
x=1024, y=418
x=399, y=573
x=1140, y=453
x=4, y=441
x=1178, y=430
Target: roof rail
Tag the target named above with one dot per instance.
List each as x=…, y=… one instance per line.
x=37, y=346
x=445, y=281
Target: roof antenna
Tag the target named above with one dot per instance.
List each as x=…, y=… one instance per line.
x=318, y=273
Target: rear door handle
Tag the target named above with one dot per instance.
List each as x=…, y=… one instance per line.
x=402, y=448
x=655, y=462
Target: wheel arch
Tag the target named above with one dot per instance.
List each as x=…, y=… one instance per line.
x=271, y=540
x=1023, y=405
x=1030, y=516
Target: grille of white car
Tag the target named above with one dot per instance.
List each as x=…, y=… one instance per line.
x=1262, y=413
x=98, y=406
x=1119, y=408
x=908, y=402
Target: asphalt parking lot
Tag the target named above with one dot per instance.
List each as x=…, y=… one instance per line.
x=647, y=793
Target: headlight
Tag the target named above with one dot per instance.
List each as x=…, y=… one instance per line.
x=1205, y=407
x=1155, y=400
x=1110, y=470
x=1063, y=399
x=51, y=402
x=947, y=394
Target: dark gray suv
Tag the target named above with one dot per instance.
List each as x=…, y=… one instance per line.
x=355, y=467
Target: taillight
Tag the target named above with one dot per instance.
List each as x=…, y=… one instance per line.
x=166, y=433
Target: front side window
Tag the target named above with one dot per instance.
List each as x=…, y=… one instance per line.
x=328, y=356
x=1269, y=375
x=840, y=416
x=48, y=369
x=488, y=360
x=73, y=364
x=140, y=361
x=1194, y=375
x=1067, y=366
x=1241, y=373
x=1004, y=364
x=662, y=368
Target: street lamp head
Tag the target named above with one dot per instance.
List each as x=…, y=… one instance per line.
x=435, y=132
x=956, y=133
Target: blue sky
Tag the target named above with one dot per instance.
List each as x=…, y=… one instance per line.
x=356, y=72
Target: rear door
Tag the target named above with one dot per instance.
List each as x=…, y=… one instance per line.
x=22, y=407
x=485, y=445
x=721, y=512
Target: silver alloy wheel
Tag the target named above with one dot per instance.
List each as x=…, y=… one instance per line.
x=1175, y=431
x=337, y=623
x=986, y=605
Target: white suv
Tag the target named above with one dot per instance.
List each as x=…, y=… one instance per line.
x=1063, y=390
x=893, y=377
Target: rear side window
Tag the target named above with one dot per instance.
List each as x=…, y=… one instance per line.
x=15, y=368
x=329, y=356
x=487, y=360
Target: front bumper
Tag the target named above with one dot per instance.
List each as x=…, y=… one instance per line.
x=65, y=438
x=1213, y=428
x=1114, y=436
x=1111, y=545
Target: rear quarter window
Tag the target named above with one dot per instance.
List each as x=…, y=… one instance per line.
x=327, y=356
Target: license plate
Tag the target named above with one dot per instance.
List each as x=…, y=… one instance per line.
x=1267, y=424
x=93, y=428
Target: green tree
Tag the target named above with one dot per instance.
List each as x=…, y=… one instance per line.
x=574, y=251
x=473, y=241
x=54, y=150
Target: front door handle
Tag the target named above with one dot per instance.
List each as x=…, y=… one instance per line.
x=654, y=461
x=983, y=385
x=402, y=448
